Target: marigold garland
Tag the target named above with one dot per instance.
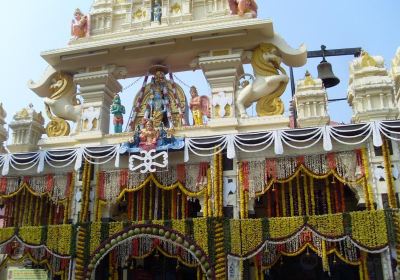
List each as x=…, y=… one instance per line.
x=312, y=196
x=30, y=234
x=369, y=228
x=328, y=196
x=369, y=197
x=306, y=197
x=299, y=198
x=388, y=174
x=283, y=199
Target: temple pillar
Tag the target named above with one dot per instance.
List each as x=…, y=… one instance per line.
x=97, y=89
x=221, y=69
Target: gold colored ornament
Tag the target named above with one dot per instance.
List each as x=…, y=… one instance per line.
x=271, y=104
x=57, y=126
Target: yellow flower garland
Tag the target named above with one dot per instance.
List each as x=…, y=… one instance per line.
x=306, y=194
x=283, y=199
x=328, y=196
x=291, y=199
x=388, y=172
x=369, y=197
x=30, y=234
x=299, y=200
x=312, y=196
x=369, y=228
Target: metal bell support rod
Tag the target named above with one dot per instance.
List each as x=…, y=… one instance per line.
x=323, y=52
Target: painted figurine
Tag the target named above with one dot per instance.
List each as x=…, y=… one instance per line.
x=148, y=137
x=158, y=106
x=157, y=12
x=166, y=135
x=117, y=109
x=240, y=7
x=135, y=140
x=79, y=25
x=199, y=105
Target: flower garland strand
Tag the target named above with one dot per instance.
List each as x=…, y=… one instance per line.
x=328, y=195
x=299, y=198
x=312, y=196
x=306, y=196
x=388, y=172
x=283, y=199
x=241, y=192
x=369, y=198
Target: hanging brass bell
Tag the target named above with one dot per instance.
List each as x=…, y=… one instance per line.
x=325, y=73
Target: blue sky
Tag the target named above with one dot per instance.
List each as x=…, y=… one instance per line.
x=30, y=27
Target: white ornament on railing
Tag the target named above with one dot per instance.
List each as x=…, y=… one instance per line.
x=148, y=159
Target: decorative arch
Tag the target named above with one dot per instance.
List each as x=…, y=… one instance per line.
x=156, y=232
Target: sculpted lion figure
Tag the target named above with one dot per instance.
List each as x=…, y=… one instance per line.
x=59, y=93
x=269, y=83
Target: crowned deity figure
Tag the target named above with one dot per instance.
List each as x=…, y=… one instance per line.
x=79, y=25
x=157, y=12
x=117, y=109
x=199, y=105
x=240, y=7
x=148, y=137
x=158, y=106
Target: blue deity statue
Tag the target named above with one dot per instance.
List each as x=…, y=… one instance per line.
x=158, y=106
x=117, y=109
x=157, y=12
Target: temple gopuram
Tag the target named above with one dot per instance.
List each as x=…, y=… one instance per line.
x=187, y=184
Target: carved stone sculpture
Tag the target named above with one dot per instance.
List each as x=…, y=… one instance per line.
x=79, y=25
x=199, y=105
x=117, y=109
x=269, y=83
x=240, y=7
x=59, y=93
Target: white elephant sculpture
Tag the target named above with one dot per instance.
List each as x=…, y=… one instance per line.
x=59, y=93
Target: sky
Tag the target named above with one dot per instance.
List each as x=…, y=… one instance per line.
x=30, y=27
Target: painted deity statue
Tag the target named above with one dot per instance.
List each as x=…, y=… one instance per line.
x=117, y=109
x=79, y=25
x=148, y=137
x=157, y=12
x=199, y=105
x=158, y=106
x=240, y=7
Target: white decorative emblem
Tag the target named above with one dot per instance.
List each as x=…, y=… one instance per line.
x=148, y=161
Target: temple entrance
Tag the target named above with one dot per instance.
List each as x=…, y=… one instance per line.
x=308, y=266
x=156, y=266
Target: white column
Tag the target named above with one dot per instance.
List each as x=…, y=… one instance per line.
x=97, y=89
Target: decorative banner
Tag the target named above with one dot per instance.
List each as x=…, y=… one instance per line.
x=149, y=161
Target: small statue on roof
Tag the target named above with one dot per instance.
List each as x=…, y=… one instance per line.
x=199, y=105
x=79, y=25
x=157, y=12
x=117, y=109
x=240, y=7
